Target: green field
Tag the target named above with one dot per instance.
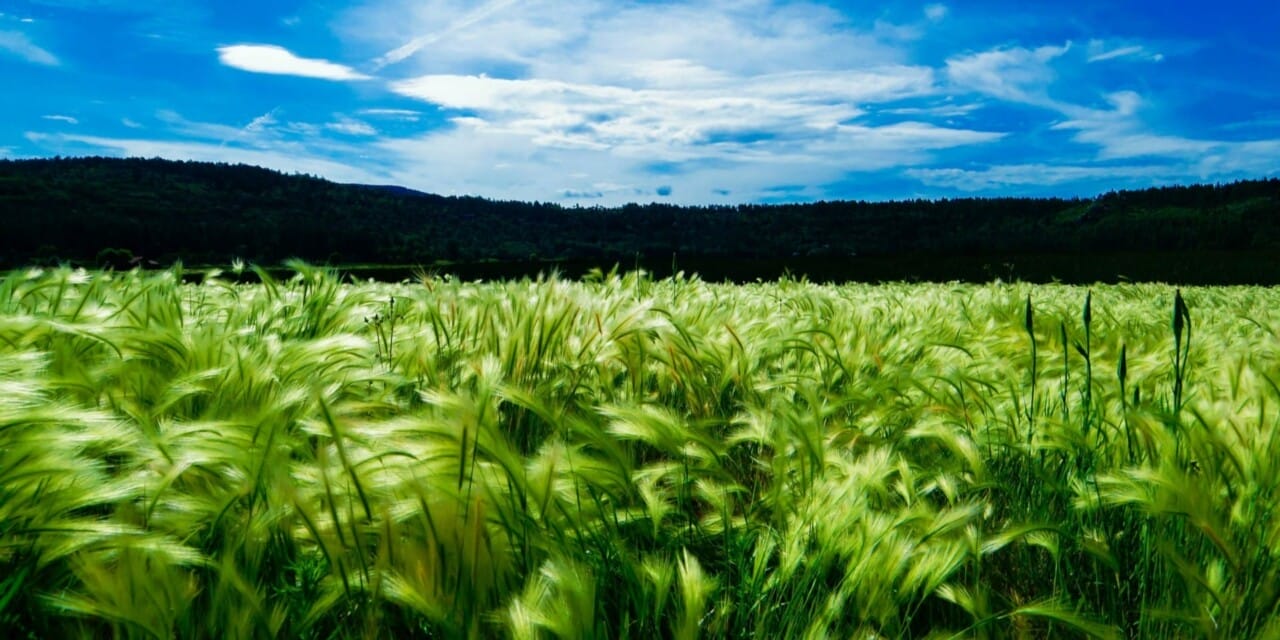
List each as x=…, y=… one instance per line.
x=629, y=457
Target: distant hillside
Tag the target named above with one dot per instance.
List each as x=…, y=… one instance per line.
x=96, y=210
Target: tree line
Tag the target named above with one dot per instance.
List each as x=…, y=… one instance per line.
x=114, y=212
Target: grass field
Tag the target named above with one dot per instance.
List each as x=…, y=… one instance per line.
x=624, y=457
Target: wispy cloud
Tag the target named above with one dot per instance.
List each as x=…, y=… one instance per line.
x=669, y=123
x=1100, y=51
x=1024, y=76
x=279, y=159
x=1014, y=73
x=1120, y=133
x=1115, y=53
x=351, y=127
x=18, y=44
x=261, y=122
x=130, y=123
x=271, y=59
x=945, y=110
x=935, y=12
x=178, y=125
x=61, y=118
x=412, y=47
x=407, y=115
x=1000, y=178
x=270, y=132
x=592, y=41
x=1117, y=132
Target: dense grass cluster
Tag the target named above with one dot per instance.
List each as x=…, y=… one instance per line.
x=625, y=457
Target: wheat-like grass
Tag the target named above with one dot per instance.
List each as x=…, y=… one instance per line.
x=627, y=457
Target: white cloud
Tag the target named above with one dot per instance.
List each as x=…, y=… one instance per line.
x=1100, y=51
x=1119, y=132
x=713, y=101
x=1024, y=76
x=351, y=127
x=1016, y=73
x=704, y=115
x=576, y=98
x=261, y=122
x=1115, y=53
x=17, y=43
x=130, y=123
x=1253, y=158
x=594, y=41
x=303, y=128
x=407, y=115
x=271, y=59
x=479, y=14
x=61, y=118
x=945, y=110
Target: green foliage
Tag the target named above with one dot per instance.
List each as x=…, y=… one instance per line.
x=629, y=457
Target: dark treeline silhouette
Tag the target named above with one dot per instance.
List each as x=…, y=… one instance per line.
x=116, y=212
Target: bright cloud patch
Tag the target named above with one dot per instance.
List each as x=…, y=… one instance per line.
x=265, y=58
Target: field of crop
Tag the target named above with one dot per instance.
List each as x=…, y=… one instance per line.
x=624, y=457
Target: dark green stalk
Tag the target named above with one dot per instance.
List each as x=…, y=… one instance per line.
x=1122, y=372
x=1066, y=371
x=1030, y=327
x=1181, y=347
x=1087, y=352
x=391, y=330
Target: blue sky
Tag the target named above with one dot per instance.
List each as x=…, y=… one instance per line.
x=591, y=102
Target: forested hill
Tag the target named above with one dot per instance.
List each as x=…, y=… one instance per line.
x=102, y=210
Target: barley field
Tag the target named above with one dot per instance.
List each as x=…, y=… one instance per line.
x=623, y=457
